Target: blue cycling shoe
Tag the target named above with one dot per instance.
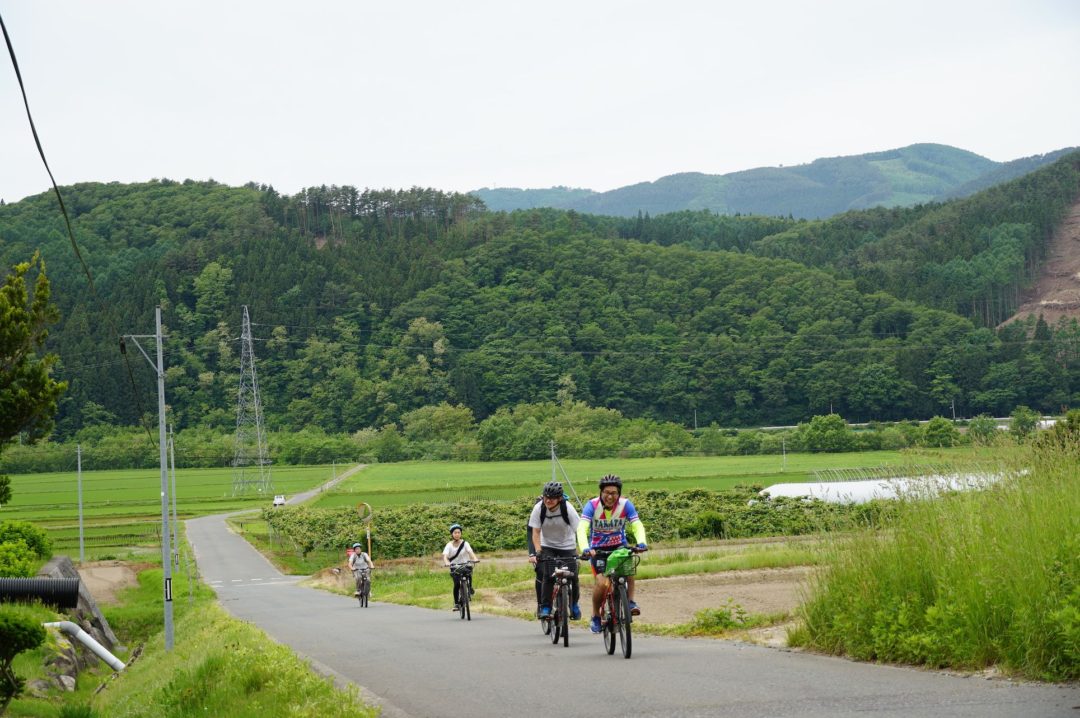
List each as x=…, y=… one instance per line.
x=575, y=612
x=594, y=624
x=634, y=610
x=545, y=612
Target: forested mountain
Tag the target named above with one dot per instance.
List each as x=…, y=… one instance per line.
x=369, y=305
x=895, y=178
x=972, y=256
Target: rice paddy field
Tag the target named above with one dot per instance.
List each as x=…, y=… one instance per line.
x=122, y=509
x=425, y=482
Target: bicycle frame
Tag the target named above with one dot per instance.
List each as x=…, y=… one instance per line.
x=615, y=617
x=558, y=624
x=464, y=573
x=363, y=585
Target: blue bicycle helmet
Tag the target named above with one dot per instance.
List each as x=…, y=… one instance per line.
x=454, y=526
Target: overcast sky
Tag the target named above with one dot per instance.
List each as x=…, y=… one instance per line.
x=506, y=93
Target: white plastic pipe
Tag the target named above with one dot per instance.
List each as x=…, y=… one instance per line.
x=73, y=630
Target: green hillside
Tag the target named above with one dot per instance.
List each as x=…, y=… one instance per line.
x=369, y=305
x=972, y=256
x=901, y=177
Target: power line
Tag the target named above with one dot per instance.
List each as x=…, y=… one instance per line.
x=67, y=218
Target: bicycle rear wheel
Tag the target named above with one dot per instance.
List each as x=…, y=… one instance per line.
x=622, y=620
x=563, y=616
x=607, y=625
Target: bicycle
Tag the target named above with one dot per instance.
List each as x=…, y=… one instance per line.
x=615, y=616
x=558, y=623
x=464, y=573
x=363, y=585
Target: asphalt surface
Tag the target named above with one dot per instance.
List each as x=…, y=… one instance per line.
x=419, y=662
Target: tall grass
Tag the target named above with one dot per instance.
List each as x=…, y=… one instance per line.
x=967, y=580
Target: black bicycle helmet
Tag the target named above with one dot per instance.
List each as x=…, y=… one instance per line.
x=553, y=490
x=611, y=480
x=454, y=526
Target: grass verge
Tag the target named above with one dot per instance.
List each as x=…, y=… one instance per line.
x=219, y=666
x=964, y=580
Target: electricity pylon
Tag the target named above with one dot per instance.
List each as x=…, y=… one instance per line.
x=251, y=465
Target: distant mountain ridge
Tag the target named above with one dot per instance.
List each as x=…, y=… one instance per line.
x=900, y=177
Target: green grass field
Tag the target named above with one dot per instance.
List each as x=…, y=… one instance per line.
x=423, y=482
x=122, y=509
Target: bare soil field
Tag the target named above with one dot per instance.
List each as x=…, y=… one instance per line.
x=677, y=599
x=1056, y=294
x=104, y=578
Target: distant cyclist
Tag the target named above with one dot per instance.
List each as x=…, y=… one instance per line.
x=359, y=561
x=554, y=522
x=605, y=523
x=458, y=552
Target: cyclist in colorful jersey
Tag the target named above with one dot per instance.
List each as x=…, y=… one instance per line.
x=606, y=521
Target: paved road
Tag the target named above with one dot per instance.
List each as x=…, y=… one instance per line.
x=418, y=662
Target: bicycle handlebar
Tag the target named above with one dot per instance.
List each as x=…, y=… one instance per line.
x=589, y=553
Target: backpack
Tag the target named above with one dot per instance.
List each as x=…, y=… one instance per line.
x=562, y=507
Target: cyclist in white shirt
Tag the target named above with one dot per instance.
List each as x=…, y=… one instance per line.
x=554, y=524
x=457, y=552
x=359, y=561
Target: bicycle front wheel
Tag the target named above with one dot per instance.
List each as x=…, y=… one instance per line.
x=365, y=592
x=564, y=614
x=466, y=585
x=607, y=625
x=622, y=620
x=554, y=621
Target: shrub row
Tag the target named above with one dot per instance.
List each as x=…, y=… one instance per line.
x=421, y=529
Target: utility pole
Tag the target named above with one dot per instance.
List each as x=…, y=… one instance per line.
x=175, y=524
x=82, y=550
x=166, y=557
